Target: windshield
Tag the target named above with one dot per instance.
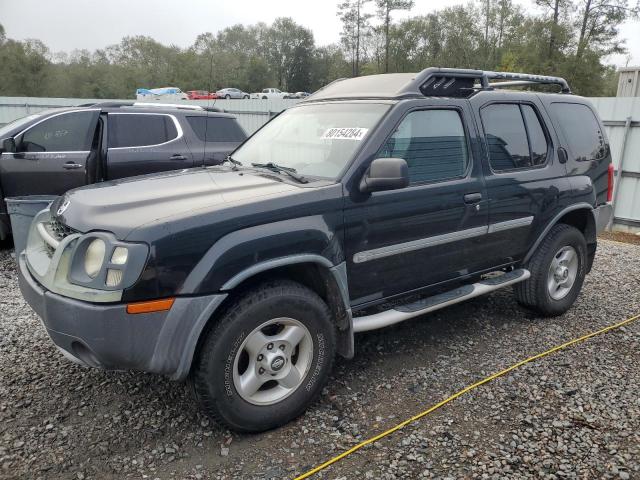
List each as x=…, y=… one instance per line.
x=315, y=140
x=4, y=131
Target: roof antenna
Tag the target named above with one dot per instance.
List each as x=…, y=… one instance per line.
x=206, y=118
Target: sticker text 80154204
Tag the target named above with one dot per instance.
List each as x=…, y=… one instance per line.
x=352, y=133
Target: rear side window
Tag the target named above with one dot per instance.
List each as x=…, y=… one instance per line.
x=514, y=136
x=581, y=130
x=69, y=132
x=139, y=130
x=432, y=142
x=216, y=129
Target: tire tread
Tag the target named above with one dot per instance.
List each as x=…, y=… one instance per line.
x=263, y=291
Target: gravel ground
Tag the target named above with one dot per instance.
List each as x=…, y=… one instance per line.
x=575, y=414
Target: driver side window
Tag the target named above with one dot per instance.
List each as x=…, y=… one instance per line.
x=433, y=143
x=69, y=132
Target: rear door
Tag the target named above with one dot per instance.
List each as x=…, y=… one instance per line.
x=51, y=155
x=213, y=138
x=432, y=231
x=139, y=143
x=526, y=184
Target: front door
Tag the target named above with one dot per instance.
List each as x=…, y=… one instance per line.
x=139, y=143
x=51, y=155
x=431, y=232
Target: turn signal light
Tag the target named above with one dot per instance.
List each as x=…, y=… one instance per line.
x=151, y=306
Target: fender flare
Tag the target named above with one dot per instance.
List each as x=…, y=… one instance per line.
x=554, y=221
x=346, y=342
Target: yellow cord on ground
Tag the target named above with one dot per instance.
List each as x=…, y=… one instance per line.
x=357, y=447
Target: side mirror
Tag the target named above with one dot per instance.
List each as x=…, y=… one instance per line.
x=8, y=145
x=385, y=174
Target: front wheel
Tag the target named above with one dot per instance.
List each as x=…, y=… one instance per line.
x=558, y=268
x=246, y=97
x=227, y=97
x=267, y=359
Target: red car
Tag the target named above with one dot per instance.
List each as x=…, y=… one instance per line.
x=201, y=95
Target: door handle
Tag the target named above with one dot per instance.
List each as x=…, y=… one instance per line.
x=72, y=166
x=178, y=156
x=473, y=197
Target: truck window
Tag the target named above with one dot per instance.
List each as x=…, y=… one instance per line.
x=139, y=129
x=537, y=137
x=68, y=132
x=216, y=129
x=432, y=142
x=507, y=139
x=581, y=130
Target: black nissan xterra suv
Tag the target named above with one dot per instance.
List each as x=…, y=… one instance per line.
x=51, y=152
x=376, y=200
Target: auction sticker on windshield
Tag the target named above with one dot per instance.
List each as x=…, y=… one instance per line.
x=355, y=133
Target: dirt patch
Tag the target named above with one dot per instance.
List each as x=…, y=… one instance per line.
x=621, y=237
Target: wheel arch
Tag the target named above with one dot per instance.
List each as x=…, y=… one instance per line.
x=579, y=215
x=311, y=270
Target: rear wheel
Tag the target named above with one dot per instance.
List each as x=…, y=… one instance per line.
x=558, y=268
x=267, y=359
x=227, y=96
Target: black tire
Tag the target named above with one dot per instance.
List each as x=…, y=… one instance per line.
x=246, y=97
x=534, y=292
x=212, y=377
x=264, y=98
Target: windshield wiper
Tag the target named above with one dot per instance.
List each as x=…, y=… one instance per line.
x=235, y=163
x=292, y=172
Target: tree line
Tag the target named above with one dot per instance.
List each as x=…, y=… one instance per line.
x=569, y=38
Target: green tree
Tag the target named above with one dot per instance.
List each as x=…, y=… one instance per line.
x=355, y=25
x=385, y=7
x=289, y=47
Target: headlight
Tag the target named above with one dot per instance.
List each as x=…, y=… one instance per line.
x=94, y=257
x=120, y=255
x=100, y=261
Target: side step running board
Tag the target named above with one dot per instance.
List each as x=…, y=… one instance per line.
x=400, y=313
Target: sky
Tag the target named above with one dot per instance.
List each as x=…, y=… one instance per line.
x=65, y=25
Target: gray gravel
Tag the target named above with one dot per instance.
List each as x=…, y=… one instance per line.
x=575, y=414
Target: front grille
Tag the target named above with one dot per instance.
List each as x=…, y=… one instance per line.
x=58, y=230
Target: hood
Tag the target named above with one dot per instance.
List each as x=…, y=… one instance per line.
x=122, y=205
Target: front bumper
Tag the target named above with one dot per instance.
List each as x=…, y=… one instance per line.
x=603, y=215
x=106, y=336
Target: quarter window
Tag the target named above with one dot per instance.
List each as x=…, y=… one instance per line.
x=69, y=132
x=581, y=130
x=140, y=130
x=216, y=129
x=432, y=142
x=537, y=138
x=515, y=137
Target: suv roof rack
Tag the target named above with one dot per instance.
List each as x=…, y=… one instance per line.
x=166, y=105
x=107, y=104
x=430, y=82
x=463, y=82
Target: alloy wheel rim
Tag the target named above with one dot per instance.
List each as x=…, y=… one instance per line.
x=563, y=272
x=273, y=361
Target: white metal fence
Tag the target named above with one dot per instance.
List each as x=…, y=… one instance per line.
x=621, y=117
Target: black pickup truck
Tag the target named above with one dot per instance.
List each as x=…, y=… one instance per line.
x=56, y=150
x=376, y=200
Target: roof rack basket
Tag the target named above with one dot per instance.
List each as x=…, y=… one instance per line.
x=463, y=82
